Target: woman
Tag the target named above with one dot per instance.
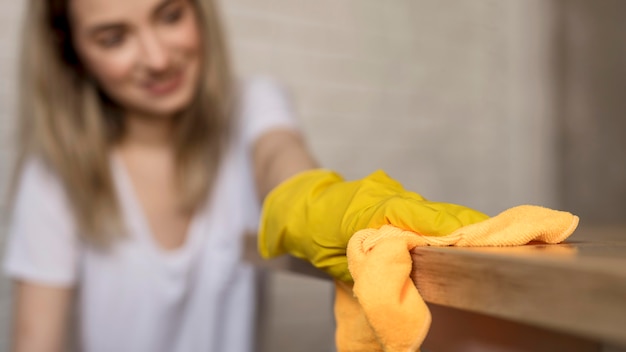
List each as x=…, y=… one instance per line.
x=135, y=181
x=141, y=165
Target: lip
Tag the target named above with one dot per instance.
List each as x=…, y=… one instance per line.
x=166, y=86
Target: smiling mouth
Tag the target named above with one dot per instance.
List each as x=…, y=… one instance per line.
x=165, y=86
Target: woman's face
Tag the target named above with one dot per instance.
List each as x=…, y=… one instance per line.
x=145, y=54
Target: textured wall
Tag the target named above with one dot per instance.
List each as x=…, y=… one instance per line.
x=447, y=96
x=456, y=99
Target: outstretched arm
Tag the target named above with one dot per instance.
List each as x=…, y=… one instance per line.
x=278, y=155
x=312, y=213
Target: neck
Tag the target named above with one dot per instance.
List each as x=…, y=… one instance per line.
x=152, y=132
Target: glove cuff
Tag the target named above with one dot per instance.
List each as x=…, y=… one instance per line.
x=286, y=203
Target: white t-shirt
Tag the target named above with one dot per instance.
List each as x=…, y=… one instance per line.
x=139, y=297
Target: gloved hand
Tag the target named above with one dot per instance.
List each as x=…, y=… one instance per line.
x=313, y=215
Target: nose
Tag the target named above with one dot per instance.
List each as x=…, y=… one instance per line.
x=154, y=54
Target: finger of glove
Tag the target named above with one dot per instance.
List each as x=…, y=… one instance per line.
x=424, y=217
x=378, y=184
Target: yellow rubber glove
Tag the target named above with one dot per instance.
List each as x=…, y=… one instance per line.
x=314, y=214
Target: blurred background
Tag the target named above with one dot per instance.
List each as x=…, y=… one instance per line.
x=486, y=103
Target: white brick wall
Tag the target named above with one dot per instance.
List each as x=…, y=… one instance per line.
x=447, y=96
x=434, y=92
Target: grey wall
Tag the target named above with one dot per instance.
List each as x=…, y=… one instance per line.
x=591, y=73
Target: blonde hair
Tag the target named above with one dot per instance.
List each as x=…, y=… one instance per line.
x=65, y=120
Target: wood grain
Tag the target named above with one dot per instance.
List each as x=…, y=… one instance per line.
x=577, y=288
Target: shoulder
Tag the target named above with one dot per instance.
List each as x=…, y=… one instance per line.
x=37, y=179
x=263, y=104
x=39, y=196
x=260, y=87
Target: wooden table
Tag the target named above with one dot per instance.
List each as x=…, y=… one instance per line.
x=566, y=297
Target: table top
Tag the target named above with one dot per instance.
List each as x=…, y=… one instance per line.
x=577, y=287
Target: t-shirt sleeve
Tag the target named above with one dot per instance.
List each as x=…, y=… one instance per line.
x=264, y=105
x=42, y=245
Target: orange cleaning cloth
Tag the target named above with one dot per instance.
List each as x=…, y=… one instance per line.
x=383, y=311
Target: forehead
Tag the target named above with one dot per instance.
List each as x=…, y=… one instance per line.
x=89, y=12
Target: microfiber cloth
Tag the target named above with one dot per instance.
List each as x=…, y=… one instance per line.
x=383, y=311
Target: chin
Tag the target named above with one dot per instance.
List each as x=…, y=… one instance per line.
x=164, y=109
x=167, y=106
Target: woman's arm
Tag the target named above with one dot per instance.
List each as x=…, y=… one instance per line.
x=40, y=318
x=278, y=155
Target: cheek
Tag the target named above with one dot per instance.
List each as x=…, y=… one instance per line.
x=110, y=69
x=187, y=38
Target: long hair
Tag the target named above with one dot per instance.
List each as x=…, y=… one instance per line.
x=68, y=123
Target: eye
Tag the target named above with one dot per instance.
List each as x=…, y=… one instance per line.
x=110, y=39
x=172, y=15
